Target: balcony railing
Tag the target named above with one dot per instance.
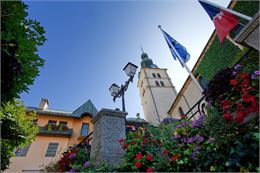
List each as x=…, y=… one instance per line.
x=198, y=107
x=51, y=132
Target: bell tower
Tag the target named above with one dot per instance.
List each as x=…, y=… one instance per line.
x=157, y=92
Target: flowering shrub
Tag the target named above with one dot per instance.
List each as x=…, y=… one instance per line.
x=243, y=98
x=173, y=146
x=56, y=127
x=77, y=160
x=189, y=146
x=235, y=93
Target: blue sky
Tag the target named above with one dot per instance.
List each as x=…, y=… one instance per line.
x=89, y=43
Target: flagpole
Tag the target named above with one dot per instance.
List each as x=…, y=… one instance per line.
x=229, y=10
x=180, y=59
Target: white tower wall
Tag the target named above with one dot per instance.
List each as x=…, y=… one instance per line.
x=155, y=99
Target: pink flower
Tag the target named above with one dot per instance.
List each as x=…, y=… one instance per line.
x=149, y=157
x=86, y=164
x=138, y=156
x=138, y=164
x=133, y=143
x=165, y=152
x=125, y=146
x=121, y=140
x=149, y=170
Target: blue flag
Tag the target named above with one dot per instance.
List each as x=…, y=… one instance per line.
x=178, y=47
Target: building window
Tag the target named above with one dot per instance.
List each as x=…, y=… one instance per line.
x=84, y=130
x=157, y=83
x=21, y=152
x=52, y=122
x=154, y=75
x=162, y=84
x=51, y=151
x=158, y=75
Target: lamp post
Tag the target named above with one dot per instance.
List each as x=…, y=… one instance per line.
x=116, y=91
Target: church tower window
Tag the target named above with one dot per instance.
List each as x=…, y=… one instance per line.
x=154, y=75
x=162, y=84
x=157, y=83
x=159, y=76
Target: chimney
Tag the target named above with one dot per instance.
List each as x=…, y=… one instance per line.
x=44, y=104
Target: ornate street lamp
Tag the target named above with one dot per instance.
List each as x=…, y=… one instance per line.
x=116, y=91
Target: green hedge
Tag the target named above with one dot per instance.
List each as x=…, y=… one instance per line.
x=220, y=56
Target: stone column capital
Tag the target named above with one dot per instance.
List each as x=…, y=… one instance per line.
x=108, y=112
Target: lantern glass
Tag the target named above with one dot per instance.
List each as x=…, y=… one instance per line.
x=114, y=89
x=130, y=69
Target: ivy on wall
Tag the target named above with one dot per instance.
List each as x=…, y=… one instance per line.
x=220, y=56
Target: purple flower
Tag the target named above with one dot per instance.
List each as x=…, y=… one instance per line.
x=257, y=72
x=199, y=138
x=176, y=136
x=253, y=76
x=238, y=66
x=86, y=164
x=72, y=156
x=210, y=140
x=194, y=155
x=210, y=103
x=71, y=171
x=198, y=122
x=190, y=140
x=181, y=125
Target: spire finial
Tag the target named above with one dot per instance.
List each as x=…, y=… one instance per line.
x=142, y=49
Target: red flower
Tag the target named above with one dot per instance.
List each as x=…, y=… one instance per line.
x=175, y=157
x=248, y=98
x=240, y=106
x=136, y=137
x=233, y=82
x=239, y=118
x=149, y=157
x=244, y=75
x=226, y=104
x=241, y=114
x=133, y=143
x=165, y=152
x=125, y=146
x=121, y=140
x=138, y=156
x=149, y=170
x=228, y=116
x=138, y=164
x=253, y=108
x=145, y=141
x=245, y=83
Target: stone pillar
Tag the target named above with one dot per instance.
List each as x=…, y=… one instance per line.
x=109, y=127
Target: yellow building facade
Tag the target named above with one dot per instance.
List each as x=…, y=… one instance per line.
x=58, y=130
